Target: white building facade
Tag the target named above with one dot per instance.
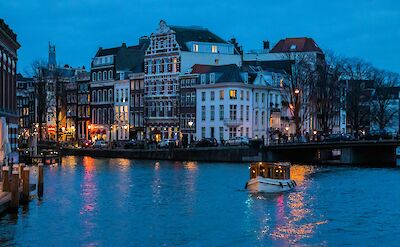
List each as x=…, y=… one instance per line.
x=173, y=51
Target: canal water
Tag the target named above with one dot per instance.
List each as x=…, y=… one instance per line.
x=119, y=202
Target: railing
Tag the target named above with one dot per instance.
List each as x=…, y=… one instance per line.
x=233, y=122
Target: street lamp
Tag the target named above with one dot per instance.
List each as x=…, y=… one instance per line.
x=296, y=91
x=287, y=128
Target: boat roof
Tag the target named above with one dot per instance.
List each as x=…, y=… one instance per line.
x=285, y=164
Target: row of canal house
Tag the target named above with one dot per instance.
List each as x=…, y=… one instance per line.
x=186, y=83
x=182, y=83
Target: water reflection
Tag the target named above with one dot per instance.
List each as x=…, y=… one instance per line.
x=285, y=217
x=89, y=195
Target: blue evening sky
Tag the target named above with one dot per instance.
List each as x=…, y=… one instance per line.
x=369, y=29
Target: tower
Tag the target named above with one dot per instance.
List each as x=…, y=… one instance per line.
x=52, y=57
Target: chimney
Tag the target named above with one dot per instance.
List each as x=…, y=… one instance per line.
x=143, y=40
x=233, y=41
x=124, y=45
x=266, y=45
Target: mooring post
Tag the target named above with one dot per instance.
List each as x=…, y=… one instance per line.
x=40, y=180
x=15, y=189
x=6, y=179
x=25, y=185
x=21, y=168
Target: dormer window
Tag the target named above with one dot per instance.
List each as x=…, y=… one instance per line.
x=196, y=48
x=212, y=78
x=203, y=79
x=214, y=49
x=293, y=47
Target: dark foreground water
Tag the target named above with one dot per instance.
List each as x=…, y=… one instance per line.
x=117, y=202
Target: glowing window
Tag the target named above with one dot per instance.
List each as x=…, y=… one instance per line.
x=214, y=49
x=233, y=94
x=196, y=48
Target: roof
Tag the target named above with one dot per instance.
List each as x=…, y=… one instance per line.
x=194, y=33
x=296, y=45
x=126, y=58
x=20, y=77
x=223, y=73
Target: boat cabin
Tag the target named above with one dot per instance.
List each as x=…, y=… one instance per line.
x=278, y=170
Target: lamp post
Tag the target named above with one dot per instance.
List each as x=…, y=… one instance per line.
x=190, y=123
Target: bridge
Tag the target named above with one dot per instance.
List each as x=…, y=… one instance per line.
x=370, y=153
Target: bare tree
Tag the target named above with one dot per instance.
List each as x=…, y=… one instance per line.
x=41, y=106
x=384, y=106
x=357, y=77
x=299, y=86
x=328, y=92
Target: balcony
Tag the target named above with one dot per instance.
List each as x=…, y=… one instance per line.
x=233, y=122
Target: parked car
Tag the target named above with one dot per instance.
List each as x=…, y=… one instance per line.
x=134, y=144
x=338, y=137
x=100, y=144
x=87, y=144
x=166, y=143
x=378, y=135
x=207, y=142
x=237, y=141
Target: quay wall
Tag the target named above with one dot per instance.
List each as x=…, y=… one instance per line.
x=239, y=154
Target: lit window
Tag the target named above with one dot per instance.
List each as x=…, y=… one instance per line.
x=196, y=48
x=214, y=49
x=232, y=94
x=221, y=94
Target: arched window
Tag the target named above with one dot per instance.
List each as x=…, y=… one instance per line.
x=105, y=95
x=110, y=96
x=94, y=76
x=99, y=98
x=94, y=116
x=110, y=75
x=105, y=75
x=104, y=116
x=99, y=116
x=99, y=76
x=94, y=96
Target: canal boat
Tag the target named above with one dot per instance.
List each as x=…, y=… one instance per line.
x=270, y=177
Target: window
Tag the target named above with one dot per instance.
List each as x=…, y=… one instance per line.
x=212, y=95
x=241, y=94
x=221, y=94
x=203, y=132
x=247, y=95
x=232, y=94
x=203, y=113
x=241, y=112
x=203, y=79
x=262, y=118
x=221, y=112
x=256, y=118
x=212, y=132
x=203, y=96
x=196, y=48
x=212, y=113
x=214, y=49
x=247, y=113
x=110, y=75
x=247, y=132
x=221, y=133
x=99, y=76
x=256, y=97
x=232, y=112
x=94, y=76
x=212, y=78
x=262, y=97
x=93, y=96
x=105, y=75
x=117, y=95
